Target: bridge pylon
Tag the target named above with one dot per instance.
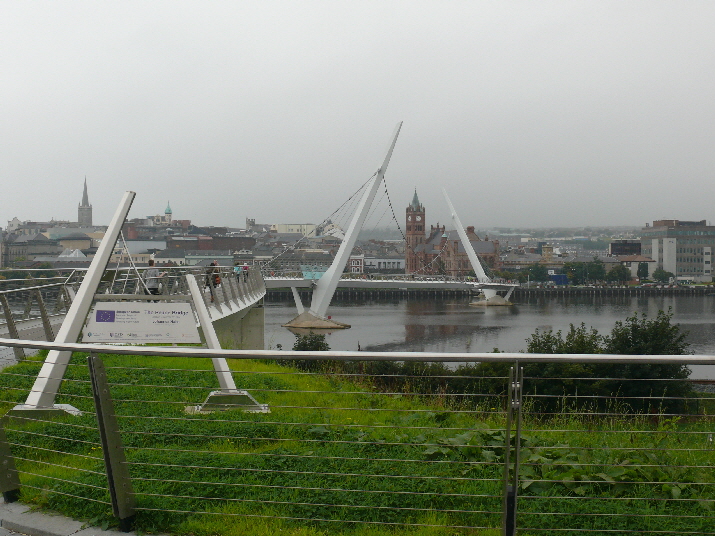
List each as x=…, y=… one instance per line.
x=324, y=290
x=487, y=287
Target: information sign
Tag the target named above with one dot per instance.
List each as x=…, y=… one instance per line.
x=136, y=323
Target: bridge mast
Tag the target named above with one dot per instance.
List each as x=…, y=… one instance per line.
x=487, y=286
x=482, y=277
x=326, y=285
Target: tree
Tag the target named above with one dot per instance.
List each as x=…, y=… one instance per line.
x=642, y=270
x=643, y=385
x=595, y=270
x=640, y=336
x=619, y=273
x=314, y=342
x=575, y=271
x=661, y=275
x=644, y=388
x=579, y=340
x=538, y=272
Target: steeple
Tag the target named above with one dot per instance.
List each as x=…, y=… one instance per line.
x=168, y=208
x=84, y=210
x=85, y=197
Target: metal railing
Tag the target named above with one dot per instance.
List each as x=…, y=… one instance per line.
x=383, y=440
x=29, y=302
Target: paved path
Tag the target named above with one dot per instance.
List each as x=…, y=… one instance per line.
x=16, y=518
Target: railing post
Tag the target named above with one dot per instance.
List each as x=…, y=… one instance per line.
x=28, y=307
x=11, y=328
x=226, y=289
x=49, y=332
x=118, y=479
x=511, y=479
x=9, y=479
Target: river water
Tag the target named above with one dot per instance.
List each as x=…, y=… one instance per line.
x=451, y=325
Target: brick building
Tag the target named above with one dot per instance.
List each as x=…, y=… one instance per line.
x=440, y=251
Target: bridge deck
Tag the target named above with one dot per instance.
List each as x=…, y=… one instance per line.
x=287, y=282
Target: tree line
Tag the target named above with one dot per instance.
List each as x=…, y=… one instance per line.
x=583, y=273
x=633, y=388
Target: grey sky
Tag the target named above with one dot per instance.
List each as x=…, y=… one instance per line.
x=528, y=113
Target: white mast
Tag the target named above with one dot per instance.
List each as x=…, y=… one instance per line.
x=482, y=277
x=326, y=285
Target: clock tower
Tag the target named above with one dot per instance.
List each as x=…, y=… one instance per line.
x=415, y=233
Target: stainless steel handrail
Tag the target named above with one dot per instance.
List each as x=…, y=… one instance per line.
x=363, y=356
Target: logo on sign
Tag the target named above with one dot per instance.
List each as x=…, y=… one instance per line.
x=105, y=316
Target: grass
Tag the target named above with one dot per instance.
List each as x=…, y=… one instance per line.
x=334, y=457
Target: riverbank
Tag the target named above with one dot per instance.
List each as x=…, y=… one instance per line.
x=614, y=291
x=285, y=294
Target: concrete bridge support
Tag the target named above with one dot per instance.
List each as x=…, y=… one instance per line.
x=244, y=330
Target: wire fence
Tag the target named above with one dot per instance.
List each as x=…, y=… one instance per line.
x=394, y=442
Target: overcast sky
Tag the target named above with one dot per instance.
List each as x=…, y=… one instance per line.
x=528, y=113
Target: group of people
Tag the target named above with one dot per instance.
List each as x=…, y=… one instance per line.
x=152, y=275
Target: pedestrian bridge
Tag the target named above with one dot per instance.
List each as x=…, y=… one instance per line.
x=391, y=282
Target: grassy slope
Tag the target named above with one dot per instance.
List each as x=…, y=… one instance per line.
x=327, y=437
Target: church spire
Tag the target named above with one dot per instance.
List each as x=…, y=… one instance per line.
x=84, y=210
x=85, y=197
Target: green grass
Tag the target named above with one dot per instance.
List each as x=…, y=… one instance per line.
x=295, y=471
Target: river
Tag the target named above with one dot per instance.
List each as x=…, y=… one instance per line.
x=451, y=325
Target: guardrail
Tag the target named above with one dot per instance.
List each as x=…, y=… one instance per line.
x=386, y=441
x=29, y=302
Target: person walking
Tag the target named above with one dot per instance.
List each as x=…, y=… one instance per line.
x=151, y=280
x=213, y=279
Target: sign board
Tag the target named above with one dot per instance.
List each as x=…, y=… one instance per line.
x=137, y=323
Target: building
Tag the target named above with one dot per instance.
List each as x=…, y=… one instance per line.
x=155, y=227
x=84, y=209
x=387, y=264
x=441, y=251
x=24, y=248
x=632, y=262
x=304, y=229
x=624, y=247
x=356, y=264
x=684, y=248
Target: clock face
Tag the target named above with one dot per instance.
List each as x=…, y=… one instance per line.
x=409, y=218
x=419, y=218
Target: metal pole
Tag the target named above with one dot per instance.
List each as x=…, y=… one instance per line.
x=11, y=328
x=511, y=481
x=49, y=332
x=9, y=479
x=507, y=520
x=518, y=389
x=115, y=462
x=223, y=372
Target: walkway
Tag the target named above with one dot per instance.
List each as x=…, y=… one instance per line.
x=17, y=518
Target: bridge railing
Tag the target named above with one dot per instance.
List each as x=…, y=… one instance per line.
x=30, y=307
x=172, y=279
x=293, y=274
x=386, y=441
x=36, y=309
